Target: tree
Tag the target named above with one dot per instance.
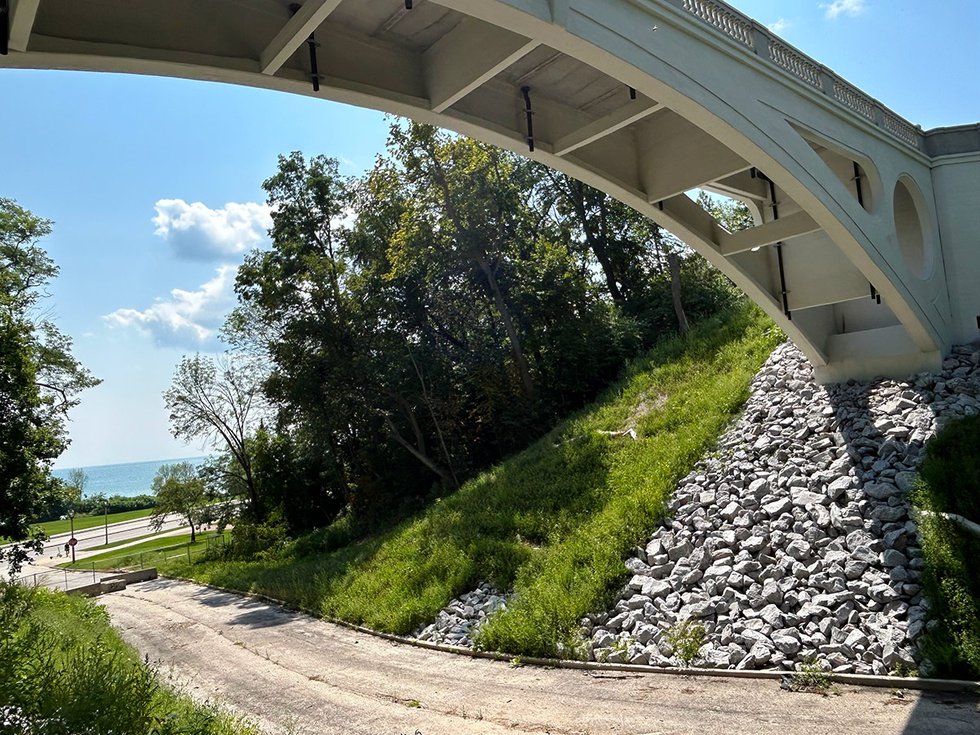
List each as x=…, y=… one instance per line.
x=220, y=401
x=75, y=486
x=39, y=381
x=178, y=490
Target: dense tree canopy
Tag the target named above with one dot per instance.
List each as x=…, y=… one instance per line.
x=39, y=378
x=422, y=321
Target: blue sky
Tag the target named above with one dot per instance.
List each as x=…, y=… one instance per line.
x=154, y=186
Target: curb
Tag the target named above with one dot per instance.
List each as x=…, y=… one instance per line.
x=866, y=680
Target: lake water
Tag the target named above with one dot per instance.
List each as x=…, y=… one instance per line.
x=129, y=479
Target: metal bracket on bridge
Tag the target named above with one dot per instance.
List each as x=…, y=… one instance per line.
x=311, y=42
x=779, y=245
x=408, y=4
x=632, y=93
x=526, y=91
x=4, y=27
x=857, y=185
x=874, y=294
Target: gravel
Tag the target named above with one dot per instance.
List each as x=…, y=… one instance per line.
x=792, y=542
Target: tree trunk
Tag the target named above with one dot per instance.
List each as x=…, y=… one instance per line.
x=596, y=245
x=414, y=451
x=508, y=323
x=673, y=263
x=435, y=420
x=190, y=520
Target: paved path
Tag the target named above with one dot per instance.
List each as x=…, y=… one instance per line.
x=296, y=675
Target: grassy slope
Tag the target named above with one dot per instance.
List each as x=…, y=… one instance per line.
x=66, y=671
x=554, y=521
x=950, y=483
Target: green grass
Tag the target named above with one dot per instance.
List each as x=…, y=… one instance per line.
x=554, y=522
x=152, y=551
x=53, y=528
x=949, y=482
x=66, y=672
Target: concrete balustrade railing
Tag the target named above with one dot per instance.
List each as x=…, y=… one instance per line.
x=765, y=44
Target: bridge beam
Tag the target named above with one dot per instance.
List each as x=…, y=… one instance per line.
x=452, y=69
x=626, y=115
x=23, y=13
x=780, y=230
x=297, y=29
x=742, y=186
x=676, y=156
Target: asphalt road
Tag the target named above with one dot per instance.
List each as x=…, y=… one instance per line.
x=93, y=537
x=293, y=674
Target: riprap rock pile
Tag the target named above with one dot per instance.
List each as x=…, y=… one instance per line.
x=457, y=623
x=793, y=542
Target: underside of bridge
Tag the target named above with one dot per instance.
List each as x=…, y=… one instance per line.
x=866, y=247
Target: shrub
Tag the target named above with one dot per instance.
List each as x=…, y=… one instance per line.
x=66, y=672
x=256, y=540
x=686, y=638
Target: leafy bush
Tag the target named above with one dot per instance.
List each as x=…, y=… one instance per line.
x=686, y=639
x=250, y=539
x=66, y=672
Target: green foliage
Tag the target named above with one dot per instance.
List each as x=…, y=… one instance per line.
x=249, y=539
x=443, y=311
x=951, y=468
x=554, y=521
x=686, y=639
x=220, y=401
x=810, y=676
x=949, y=483
x=39, y=378
x=66, y=672
x=178, y=490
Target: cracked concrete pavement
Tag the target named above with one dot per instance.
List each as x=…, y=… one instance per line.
x=293, y=674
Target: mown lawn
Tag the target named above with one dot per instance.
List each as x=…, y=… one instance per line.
x=553, y=522
x=151, y=551
x=53, y=528
x=66, y=672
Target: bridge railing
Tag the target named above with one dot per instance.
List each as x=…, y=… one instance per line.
x=765, y=44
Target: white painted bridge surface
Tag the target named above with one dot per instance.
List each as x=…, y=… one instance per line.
x=866, y=248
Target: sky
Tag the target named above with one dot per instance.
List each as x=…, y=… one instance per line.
x=154, y=187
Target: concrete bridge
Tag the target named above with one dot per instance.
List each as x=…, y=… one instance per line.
x=866, y=248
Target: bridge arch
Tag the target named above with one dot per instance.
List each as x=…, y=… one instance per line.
x=643, y=99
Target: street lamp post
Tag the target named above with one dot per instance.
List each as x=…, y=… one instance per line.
x=71, y=520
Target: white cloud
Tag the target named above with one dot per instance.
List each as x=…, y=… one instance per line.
x=189, y=319
x=844, y=7
x=779, y=25
x=198, y=232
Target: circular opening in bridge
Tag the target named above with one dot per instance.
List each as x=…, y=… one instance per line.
x=909, y=226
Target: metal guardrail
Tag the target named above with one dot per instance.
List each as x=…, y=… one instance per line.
x=765, y=44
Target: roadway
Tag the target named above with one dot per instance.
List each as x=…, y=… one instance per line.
x=42, y=569
x=90, y=538
x=297, y=675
